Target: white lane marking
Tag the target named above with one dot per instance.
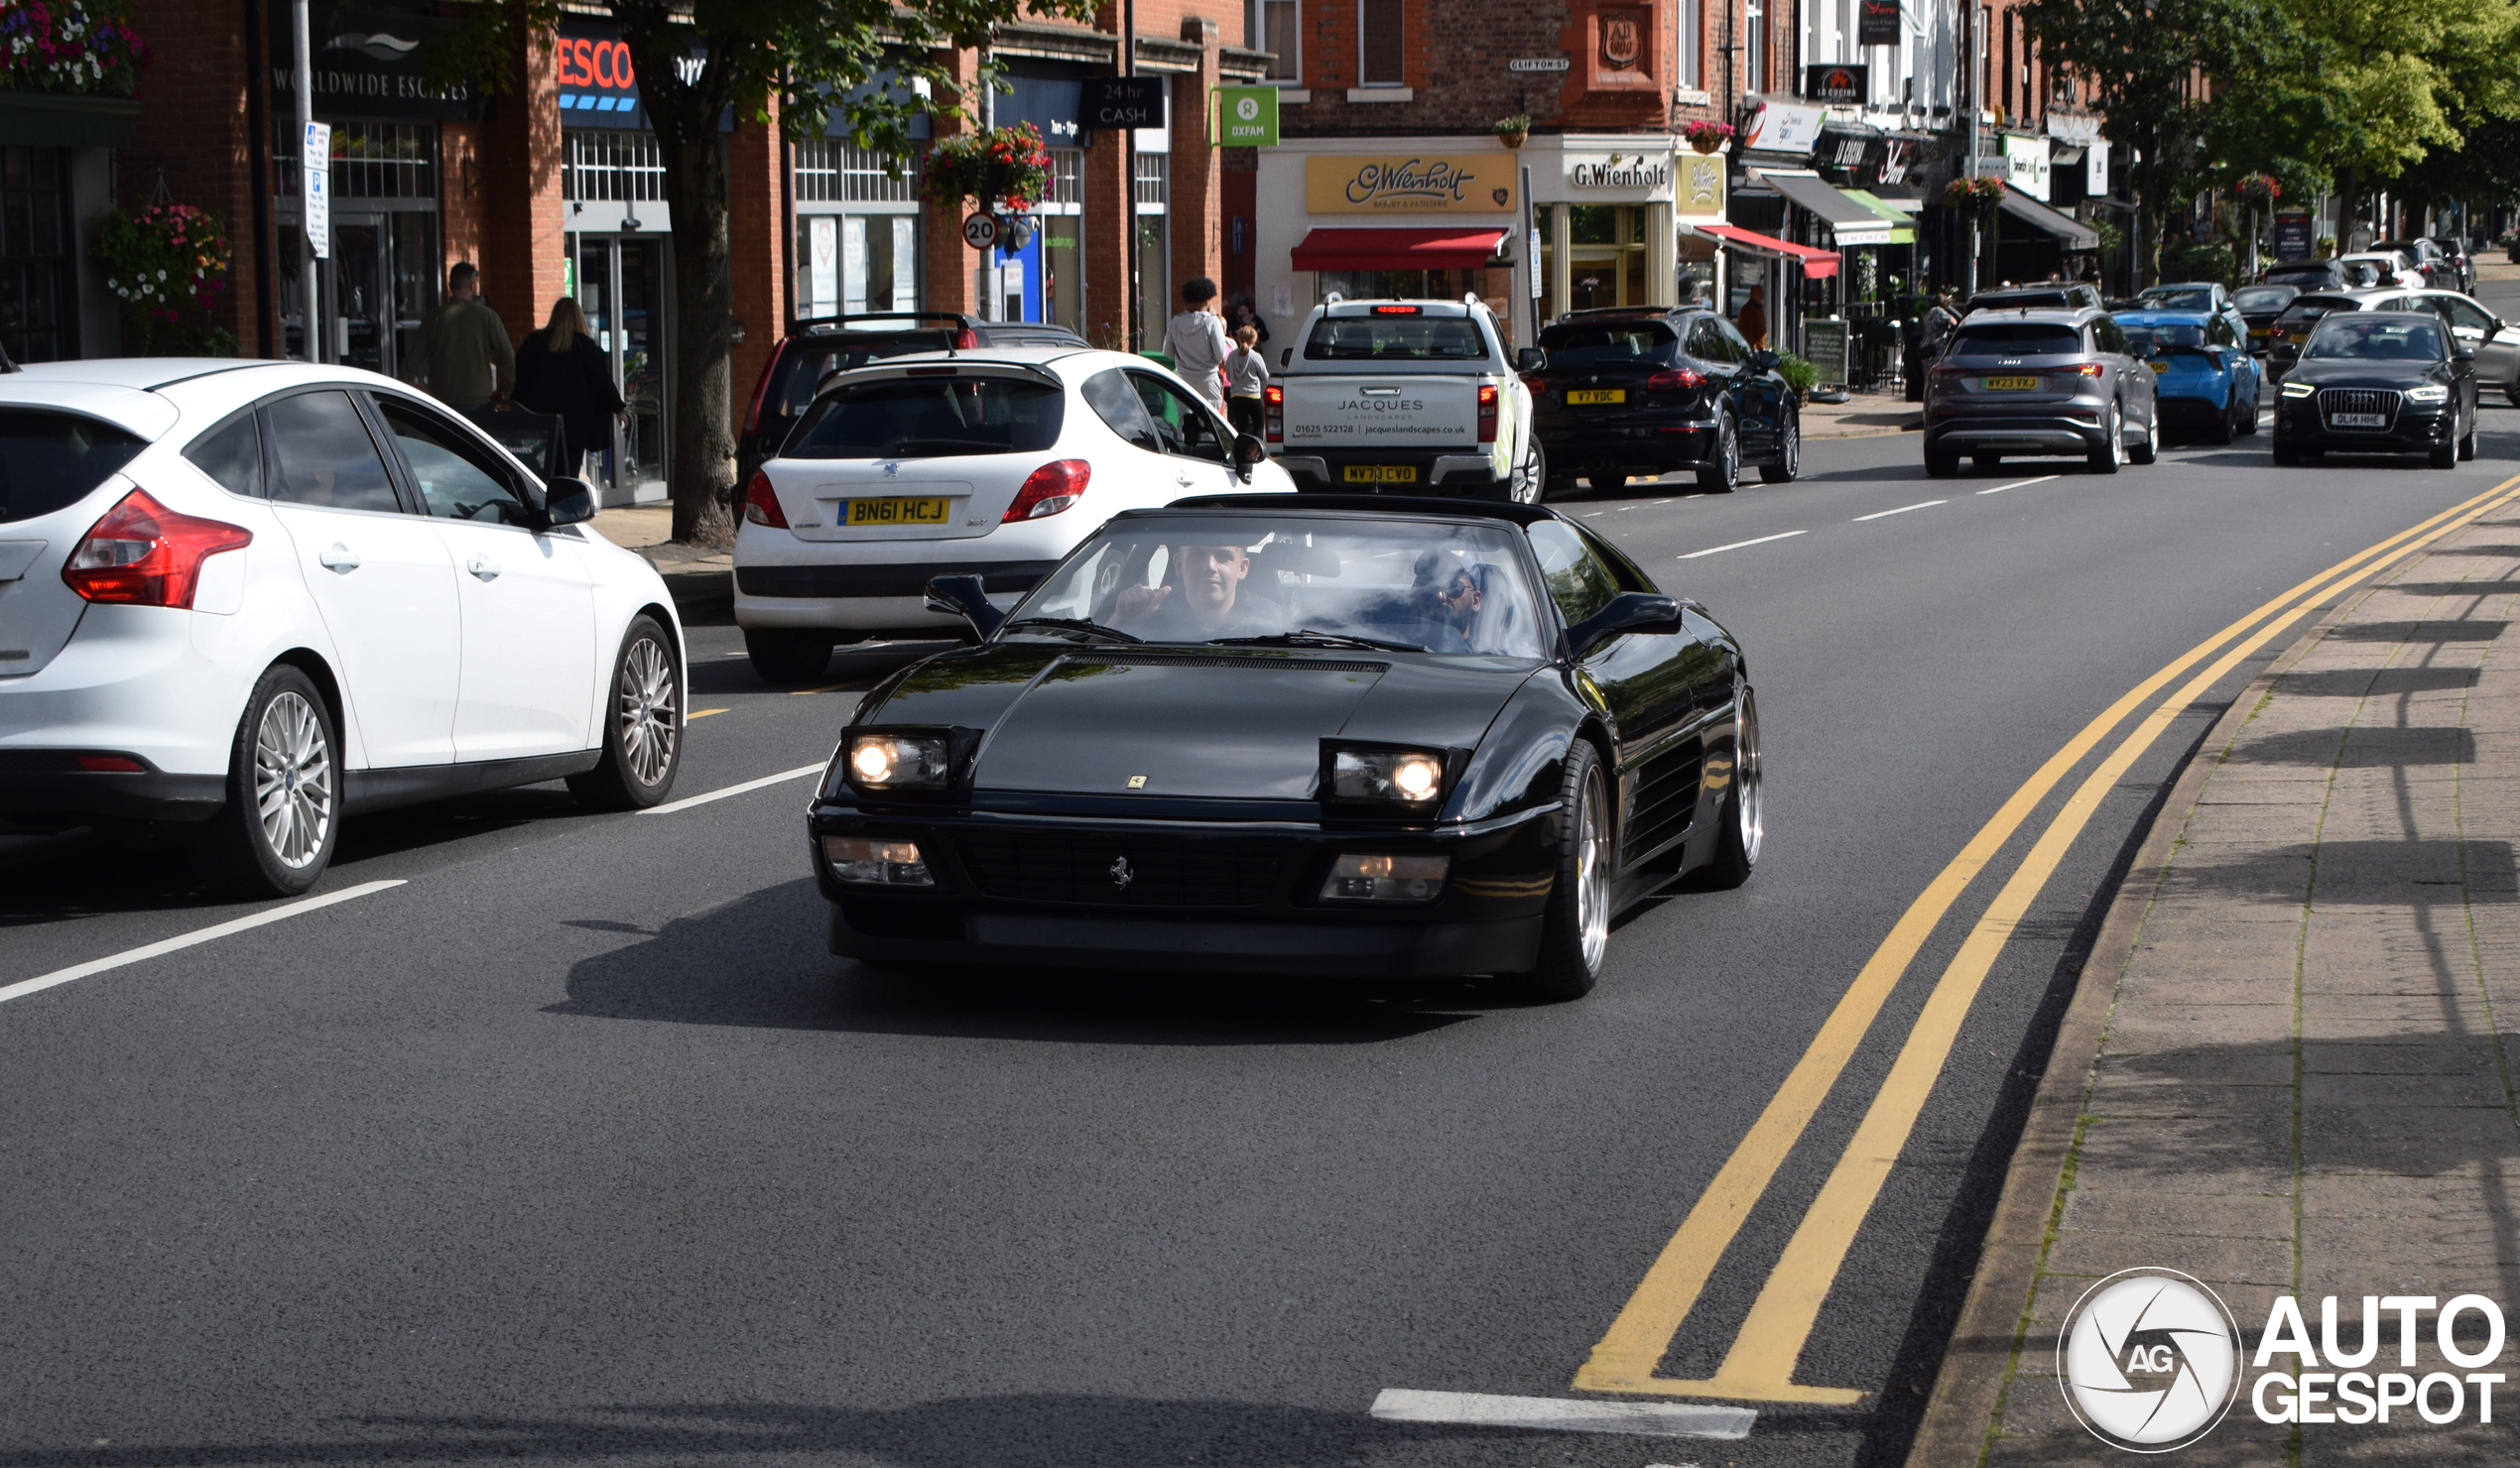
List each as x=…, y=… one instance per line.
x=1552, y=1414
x=1737, y=545
x=782, y=777
x=1596, y=513
x=24, y=987
x=1902, y=509
x=2025, y=484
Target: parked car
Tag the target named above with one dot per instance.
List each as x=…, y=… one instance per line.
x=2494, y=343
x=1342, y=736
x=2455, y=250
x=992, y=463
x=2379, y=382
x=2380, y=270
x=814, y=349
x=1413, y=395
x=1651, y=390
x=2203, y=376
x=2040, y=382
x=2306, y=275
x=252, y=598
x=2259, y=307
x=2439, y=271
x=2284, y=339
x=2049, y=296
x=2198, y=295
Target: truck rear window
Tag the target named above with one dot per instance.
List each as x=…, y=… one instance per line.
x=2016, y=339
x=52, y=459
x=931, y=417
x=1395, y=339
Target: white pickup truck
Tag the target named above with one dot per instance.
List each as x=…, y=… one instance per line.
x=1411, y=397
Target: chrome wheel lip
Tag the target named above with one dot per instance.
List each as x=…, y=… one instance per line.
x=1593, y=873
x=1529, y=476
x=293, y=782
x=1792, y=459
x=1750, y=799
x=647, y=713
x=2116, y=434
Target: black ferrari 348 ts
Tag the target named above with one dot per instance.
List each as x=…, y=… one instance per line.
x=1355, y=737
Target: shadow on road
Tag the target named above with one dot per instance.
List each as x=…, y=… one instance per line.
x=760, y=962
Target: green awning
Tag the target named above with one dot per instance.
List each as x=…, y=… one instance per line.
x=1905, y=233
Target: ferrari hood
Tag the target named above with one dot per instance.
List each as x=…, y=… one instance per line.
x=1231, y=725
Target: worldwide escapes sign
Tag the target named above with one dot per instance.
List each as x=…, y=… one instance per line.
x=1461, y=184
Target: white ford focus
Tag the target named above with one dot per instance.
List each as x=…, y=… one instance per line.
x=256, y=597
x=990, y=463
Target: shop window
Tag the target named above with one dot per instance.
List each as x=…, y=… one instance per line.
x=36, y=269
x=601, y=166
x=1066, y=175
x=1154, y=257
x=1381, y=44
x=1280, y=26
x=858, y=263
x=1692, y=37
x=1754, y=49
x=370, y=160
x=1606, y=258
x=832, y=172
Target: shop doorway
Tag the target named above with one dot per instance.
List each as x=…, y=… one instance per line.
x=624, y=284
x=379, y=286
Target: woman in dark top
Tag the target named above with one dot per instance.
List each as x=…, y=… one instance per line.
x=560, y=369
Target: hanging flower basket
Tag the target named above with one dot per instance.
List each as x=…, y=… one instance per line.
x=2258, y=189
x=168, y=264
x=1974, y=195
x=1009, y=165
x=68, y=46
x=1511, y=131
x=1708, y=137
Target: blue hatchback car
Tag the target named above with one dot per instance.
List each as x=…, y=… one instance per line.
x=2207, y=379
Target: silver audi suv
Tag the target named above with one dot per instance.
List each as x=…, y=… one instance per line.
x=2018, y=384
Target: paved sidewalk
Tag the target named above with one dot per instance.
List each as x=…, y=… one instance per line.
x=1863, y=416
x=2301, y=1085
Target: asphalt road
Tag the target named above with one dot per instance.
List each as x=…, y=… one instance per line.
x=575, y=1147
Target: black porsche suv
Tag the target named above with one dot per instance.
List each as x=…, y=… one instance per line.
x=1649, y=390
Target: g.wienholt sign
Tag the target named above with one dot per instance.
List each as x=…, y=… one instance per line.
x=1631, y=172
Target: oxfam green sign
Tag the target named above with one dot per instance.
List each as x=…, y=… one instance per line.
x=1246, y=116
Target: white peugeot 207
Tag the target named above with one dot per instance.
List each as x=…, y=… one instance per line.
x=981, y=463
x=256, y=597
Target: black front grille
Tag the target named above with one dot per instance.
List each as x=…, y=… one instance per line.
x=2382, y=400
x=1108, y=870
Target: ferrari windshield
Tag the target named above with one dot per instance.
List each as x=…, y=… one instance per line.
x=1293, y=580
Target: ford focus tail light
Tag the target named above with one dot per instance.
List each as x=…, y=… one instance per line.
x=143, y=553
x=761, y=502
x=1049, y=489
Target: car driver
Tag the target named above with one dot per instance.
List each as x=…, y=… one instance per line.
x=1200, y=599
x=1445, y=599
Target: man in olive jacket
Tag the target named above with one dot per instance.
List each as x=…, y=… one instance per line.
x=466, y=357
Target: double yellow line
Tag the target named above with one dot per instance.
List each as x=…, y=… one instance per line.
x=1760, y=1364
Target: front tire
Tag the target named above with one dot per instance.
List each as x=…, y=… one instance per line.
x=2286, y=455
x=1722, y=468
x=2444, y=457
x=643, y=726
x=783, y=654
x=1940, y=463
x=283, y=818
x=1575, y=934
x=1789, y=452
x=1741, y=829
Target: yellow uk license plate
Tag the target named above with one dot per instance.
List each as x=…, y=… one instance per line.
x=1580, y=397
x=2159, y=368
x=900, y=512
x=2011, y=384
x=1380, y=474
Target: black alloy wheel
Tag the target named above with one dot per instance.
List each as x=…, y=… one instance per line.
x=1789, y=451
x=1721, y=470
x=787, y=655
x=1574, y=930
x=277, y=831
x=643, y=726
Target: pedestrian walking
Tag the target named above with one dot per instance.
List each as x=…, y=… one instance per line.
x=466, y=357
x=560, y=369
x=1246, y=379
x=1753, y=319
x=1195, y=340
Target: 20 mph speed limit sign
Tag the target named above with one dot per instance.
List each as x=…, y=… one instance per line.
x=979, y=231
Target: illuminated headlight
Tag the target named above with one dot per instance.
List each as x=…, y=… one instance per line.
x=1409, y=777
x=887, y=762
x=2298, y=390
x=863, y=861
x=1386, y=879
x=2428, y=395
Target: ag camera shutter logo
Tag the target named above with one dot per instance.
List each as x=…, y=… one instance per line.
x=2149, y=1360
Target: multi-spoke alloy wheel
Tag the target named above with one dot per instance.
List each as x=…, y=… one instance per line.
x=293, y=780
x=647, y=709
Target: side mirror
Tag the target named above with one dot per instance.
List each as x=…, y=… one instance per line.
x=1249, y=455
x=2463, y=353
x=964, y=596
x=568, y=502
x=1764, y=362
x=1629, y=611
x=1530, y=359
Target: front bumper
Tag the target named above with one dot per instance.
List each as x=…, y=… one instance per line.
x=1458, y=471
x=1214, y=896
x=2417, y=431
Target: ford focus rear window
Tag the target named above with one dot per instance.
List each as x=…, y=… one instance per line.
x=2016, y=339
x=1394, y=339
x=931, y=417
x=1608, y=345
x=48, y=461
